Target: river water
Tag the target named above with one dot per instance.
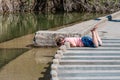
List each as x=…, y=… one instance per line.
x=17, y=31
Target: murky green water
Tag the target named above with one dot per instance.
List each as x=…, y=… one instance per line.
x=7, y=55
x=17, y=25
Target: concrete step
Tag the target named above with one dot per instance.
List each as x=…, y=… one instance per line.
x=88, y=67
x=87, y=71
x=90, y=62
x=91, y=78
x=91, y=52
x=90, y=48
x=111, y=42
x=91, y=58
x=105, y=41
x=111, y=45
x=86, y=63
x=111, y=39
x=90, y=74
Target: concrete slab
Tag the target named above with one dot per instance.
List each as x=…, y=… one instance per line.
x=90, y=48
x=91, y=63
x=90, y=78
x=91, y=52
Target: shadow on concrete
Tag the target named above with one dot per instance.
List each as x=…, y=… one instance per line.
x=33, y=46
x=46, y=74
x=97, y=19
x=115, y=20
x=109, y=19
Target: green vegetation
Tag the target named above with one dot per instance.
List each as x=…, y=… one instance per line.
x=48, y=6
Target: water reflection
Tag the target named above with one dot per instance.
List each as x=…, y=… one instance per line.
x=7, y=55
x=16, y=25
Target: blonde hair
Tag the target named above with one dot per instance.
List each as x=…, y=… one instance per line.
x=58, y=40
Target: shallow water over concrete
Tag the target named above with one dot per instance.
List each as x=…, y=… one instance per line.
x=33, y=64
x=9, y=54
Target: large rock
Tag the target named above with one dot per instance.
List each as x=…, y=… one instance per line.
x=47, y=38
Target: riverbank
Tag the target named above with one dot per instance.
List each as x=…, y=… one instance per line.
x=51, y=6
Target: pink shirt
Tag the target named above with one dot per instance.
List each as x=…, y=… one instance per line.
x=74, y=41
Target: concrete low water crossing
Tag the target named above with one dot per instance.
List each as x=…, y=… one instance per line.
x=102, y=63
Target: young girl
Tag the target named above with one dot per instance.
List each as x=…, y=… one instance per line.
x=85, y=41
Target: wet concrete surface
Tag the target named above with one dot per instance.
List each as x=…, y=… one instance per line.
x=110, y=30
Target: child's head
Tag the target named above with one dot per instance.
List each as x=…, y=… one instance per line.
x=59, y=40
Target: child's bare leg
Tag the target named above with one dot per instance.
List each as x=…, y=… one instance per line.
x=98, y=37
x=95, y=40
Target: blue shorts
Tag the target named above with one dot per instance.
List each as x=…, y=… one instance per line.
x=87, y=41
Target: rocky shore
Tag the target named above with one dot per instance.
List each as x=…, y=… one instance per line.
x=101, y=6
